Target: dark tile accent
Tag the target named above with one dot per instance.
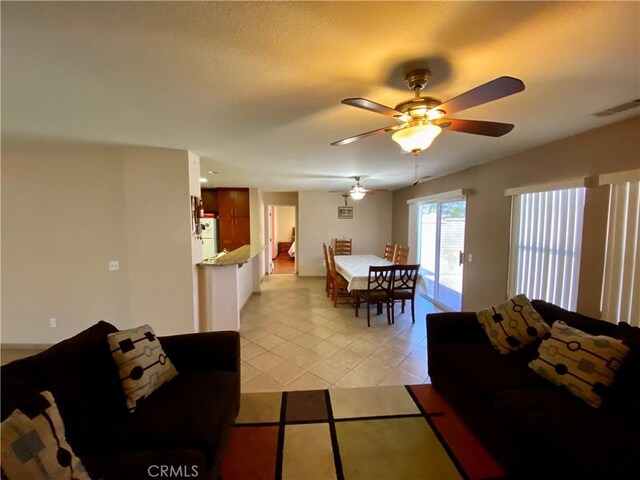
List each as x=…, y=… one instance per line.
x=306, y=406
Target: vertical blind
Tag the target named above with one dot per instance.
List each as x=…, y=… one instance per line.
x=546, y=241
x=621, y=278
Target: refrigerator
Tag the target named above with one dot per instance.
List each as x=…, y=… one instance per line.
x=209, y=235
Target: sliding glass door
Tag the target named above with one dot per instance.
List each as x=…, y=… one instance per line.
x=440, y=246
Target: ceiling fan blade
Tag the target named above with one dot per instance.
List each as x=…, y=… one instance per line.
x=346, y=141
x=490, y=91
x=373, y=107
x=476, y=127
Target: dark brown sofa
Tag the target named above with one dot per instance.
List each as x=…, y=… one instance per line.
x=536, y=429
x=186, y=424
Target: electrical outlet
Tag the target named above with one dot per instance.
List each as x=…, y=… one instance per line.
x=53, y=323
x=114, y=265
x=470, y=258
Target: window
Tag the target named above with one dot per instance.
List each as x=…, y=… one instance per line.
x=546, y=240
x=621, y=279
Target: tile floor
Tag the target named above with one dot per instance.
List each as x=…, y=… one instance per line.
x=293, y=339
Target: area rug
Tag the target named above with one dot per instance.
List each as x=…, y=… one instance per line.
x=354, y=433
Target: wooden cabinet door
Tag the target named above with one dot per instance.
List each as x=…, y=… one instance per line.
x=225, y=202
x=225, y=233
x=241, y=202
x=210, y=200
x=242, y=234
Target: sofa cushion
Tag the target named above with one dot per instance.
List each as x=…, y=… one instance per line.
x=34, y=445
x=142, y=364
x=512, y=325
x=81, y=363
x=557, y=426
x=189, y=412
x=479, y=368
x=584, y=364
x=592, y=326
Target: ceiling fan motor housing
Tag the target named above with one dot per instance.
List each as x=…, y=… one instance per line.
x=418, y=107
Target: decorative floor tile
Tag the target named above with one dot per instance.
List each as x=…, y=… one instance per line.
x=371, y=402
x=307, y=406
x=308, y=453
x=330, y=371
x=260, y=408
x=285, y=373
x=308, y=381
x=252, y=453
x=401, y=448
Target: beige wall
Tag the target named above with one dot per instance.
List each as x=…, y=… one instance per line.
x=285, y=221
x=66, y=211
x=318, y=222
x=608, y=149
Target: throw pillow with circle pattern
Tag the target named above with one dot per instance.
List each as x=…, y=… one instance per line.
x=512, y=325
x=34, y=444
x=584, y=364
x=142, y=363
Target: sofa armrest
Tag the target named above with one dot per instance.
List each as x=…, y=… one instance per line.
x=201, y=352
x=454, y=327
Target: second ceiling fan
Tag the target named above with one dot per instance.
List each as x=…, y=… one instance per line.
x=421, y=119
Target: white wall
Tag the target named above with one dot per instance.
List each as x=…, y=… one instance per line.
x=67, y=210
x=318, y=222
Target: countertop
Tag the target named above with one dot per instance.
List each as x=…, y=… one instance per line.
x=237, y=257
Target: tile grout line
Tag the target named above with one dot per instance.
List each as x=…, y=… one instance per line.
x=337, y=459
x=441, y=439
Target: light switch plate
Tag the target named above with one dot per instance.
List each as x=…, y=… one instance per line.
x=114, y=265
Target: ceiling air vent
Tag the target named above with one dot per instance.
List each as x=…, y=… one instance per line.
x=618, y=108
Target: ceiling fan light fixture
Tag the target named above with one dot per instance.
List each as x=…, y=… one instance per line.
x=417, y=137
x=357, y=195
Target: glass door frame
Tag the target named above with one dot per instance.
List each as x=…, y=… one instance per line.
x=438, y=237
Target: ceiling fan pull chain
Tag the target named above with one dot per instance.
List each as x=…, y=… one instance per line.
x=415, y=171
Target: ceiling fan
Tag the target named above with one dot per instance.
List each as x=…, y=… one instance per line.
x=358, y=191
x=421, y=119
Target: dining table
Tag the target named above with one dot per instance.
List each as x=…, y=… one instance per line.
x=355, y=270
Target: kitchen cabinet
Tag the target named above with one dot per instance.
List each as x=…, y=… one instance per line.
x=233, y=218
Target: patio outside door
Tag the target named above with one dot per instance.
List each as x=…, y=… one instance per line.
x=440, y=246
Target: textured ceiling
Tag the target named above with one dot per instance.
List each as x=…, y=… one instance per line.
x=255, y=88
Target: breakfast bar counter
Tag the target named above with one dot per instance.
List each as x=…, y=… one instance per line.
x=225, y=283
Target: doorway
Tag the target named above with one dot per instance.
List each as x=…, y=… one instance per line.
x=282, y=239
x=441, y=251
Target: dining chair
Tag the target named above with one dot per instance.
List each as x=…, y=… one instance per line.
x=328, y=282
x=342, y=247
x=340, y=293
x=389, y=251
x=378, y=291
x=401, y=255
x=403, y=288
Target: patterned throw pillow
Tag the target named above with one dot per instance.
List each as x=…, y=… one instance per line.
x=141, y=361
x=512, y=325
x=584, y=364
x=34, y=445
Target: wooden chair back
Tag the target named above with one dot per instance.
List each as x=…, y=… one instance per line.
x=326, y=259
x=332, y=263
x=380, y=278
x=405, y=278
x=342, y=247
x=389, y=251
x=401, y=256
